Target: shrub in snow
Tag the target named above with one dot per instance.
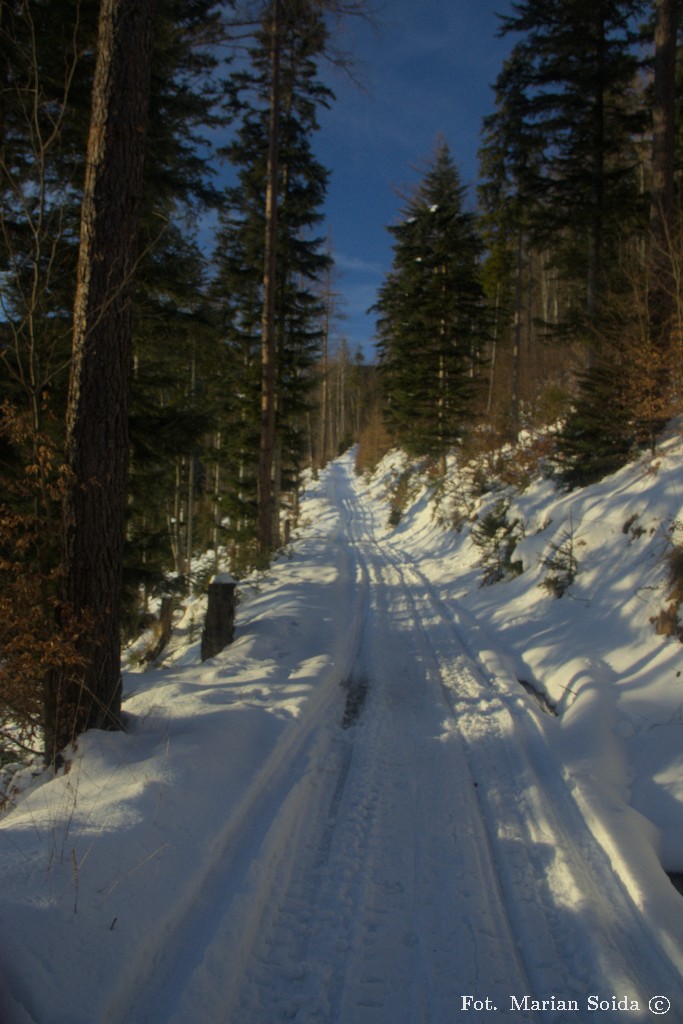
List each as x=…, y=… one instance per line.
x=373, y=444
x=668, y=622
x=400, y=495
x=39, y=636
x=497, y=539
x=562, y=566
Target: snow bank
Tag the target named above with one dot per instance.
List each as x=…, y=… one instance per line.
x=100, y=866
x=594, y=653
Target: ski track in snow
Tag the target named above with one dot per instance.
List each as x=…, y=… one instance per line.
x=432, y=850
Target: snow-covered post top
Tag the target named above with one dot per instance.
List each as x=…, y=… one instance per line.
x=219, y=625
x=223, y=578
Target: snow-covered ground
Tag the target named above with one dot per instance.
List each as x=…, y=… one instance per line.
x=356, y=813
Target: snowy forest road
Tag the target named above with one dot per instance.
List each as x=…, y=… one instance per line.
x=430, y=851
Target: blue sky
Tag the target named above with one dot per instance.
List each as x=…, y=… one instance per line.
x=428, y=69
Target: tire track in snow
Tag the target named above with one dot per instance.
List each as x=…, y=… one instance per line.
x=194, y=972
x=460, y=935
x=411, y=859
x=407, y=913
x=557, y=886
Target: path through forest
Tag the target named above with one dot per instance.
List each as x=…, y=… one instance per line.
x=429, y=851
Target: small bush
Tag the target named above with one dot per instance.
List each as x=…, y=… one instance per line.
x=599, y=435
x=399, y=497
x=675, y=572
x=37, y=634
x=668, y=622
x=633, y=528
x=562, y=566
x=373, y=444
x=497, y=539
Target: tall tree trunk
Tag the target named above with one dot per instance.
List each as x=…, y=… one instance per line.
x=97, y=413
x=265, y=512
x=597, y=197
x=324, y=433
x=514, y=419
x=216, y=516
x=189, y=534
x=662, y=289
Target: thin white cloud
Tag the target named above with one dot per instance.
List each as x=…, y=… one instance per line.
x=357, y=265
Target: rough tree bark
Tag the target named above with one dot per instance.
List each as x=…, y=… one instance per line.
x=265, y=512
x=662, y=285
x=97, y=413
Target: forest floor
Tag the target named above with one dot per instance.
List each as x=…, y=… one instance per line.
x=358, y=813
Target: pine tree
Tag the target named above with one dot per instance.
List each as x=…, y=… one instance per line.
x=273, y=351
x=176, y=346
x=579, y=94
x=46, y=76
x=601, y=432
x=431, y=322
x=97, y=414
x=512, y=217
x=624, y=399
x=662, y=290
x=45, y=79
x=173, y=413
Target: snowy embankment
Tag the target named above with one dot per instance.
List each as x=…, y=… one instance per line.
x=595, y=654
x=100, y=866
x=237, y=855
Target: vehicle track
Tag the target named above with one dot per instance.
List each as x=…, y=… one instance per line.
x=430, y=851
x=556, y=884
x=409, y=910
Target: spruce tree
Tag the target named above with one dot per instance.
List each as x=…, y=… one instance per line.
x=512, y=219
x=579, y=88
x=45, y=79
x=89, y=695
x=663, y=216
x=176, y=346
x=624, y=399
x=601, y=432
x=239, y=288
x=47, y=68
x=431, y=324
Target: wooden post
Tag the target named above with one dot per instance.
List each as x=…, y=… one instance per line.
x=165, y=628
x=219, y=625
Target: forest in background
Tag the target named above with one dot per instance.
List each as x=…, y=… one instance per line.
x=159, y=400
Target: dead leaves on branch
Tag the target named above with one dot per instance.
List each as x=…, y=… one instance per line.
x=37, y=634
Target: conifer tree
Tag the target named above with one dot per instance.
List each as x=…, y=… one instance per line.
x=662, y=287
x=511, y=214
x=601, y=432
x=46, y=74
x=623, y=400
x=279, y=391
x=176, y=347
x=431, y=324
x=173, y=412
x=45, y=77
x=89, y=695
x=579, y=94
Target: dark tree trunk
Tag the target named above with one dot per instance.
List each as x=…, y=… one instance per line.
x=266, y=511
x=597, y=198
x=97, y=414
x=662, y=285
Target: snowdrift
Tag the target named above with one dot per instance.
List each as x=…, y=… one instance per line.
x=102, y=865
